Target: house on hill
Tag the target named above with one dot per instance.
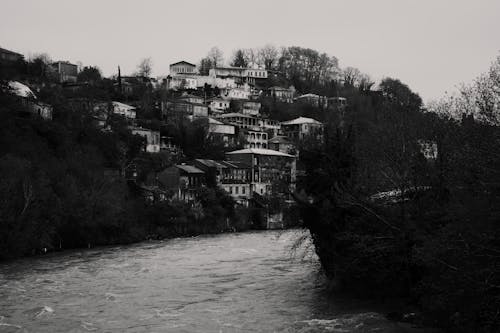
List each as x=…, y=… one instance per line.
x=183, y=180
x=301, y=128
x=182, y=67
x=7, y=56
x=29, y=99
x=66, y=71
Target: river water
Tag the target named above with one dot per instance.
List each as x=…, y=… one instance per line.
x=242, y=282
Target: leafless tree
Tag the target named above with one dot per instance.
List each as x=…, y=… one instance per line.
x=269, y=56
x=145, y=67
x=216, y=56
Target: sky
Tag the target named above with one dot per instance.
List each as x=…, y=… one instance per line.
x=431, y=45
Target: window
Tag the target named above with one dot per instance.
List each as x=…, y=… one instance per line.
x=261, y=191
x=243, y=190
x=231, y=189
x=236, y=189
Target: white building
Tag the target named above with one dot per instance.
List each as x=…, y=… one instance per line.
x=152, y=138
x=219, y=105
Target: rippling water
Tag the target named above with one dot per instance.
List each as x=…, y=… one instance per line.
x=246, y=282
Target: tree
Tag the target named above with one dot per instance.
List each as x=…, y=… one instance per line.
x=239, y=59
x=145, y=67
x=268, y=55
x=89, y=74
x=216, y=56
x=205, y=66
x=351, y=76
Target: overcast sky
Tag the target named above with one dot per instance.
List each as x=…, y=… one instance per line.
x=432, y=45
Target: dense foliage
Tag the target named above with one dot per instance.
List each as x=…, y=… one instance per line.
x=386, y=220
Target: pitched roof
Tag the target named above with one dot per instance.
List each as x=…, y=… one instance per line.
x=10, y=52
x=183, y=62
x=235, y=164
x=189, y=168
x=308, y=95
x=301, y=120
x=260, y=151
x=210, y=163
x=123, y=105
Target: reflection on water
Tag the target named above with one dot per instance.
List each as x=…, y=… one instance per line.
x=248, y=282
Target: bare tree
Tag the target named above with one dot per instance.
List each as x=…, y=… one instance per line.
x=145, y=67
x=268, y=56
x=351, y=76
x=216, y=56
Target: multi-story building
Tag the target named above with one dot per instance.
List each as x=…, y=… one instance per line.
x=313, y=100
x=181, y=82
x=302, y=128
x=251, y=108
x=225, y=132
x=240, y=75
x=66, y=71
x=282, y=94
x=255, y=139
x=182, y=181
x=182, y=67
x=219, y=105
x=177, y=108
x=271, y=172
x=251, y=122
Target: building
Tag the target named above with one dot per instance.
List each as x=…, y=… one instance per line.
x=179, y=108
x=152, y=138
x=271, y=172
x=218, y=130
x=30, y=100
x=9, y=56
x=218, y=105
x=182, y=181
x=182, y=67
x=235, y=178
x=283, y=144
x=282, y=94
x=66, y=71
x=255, y=139
x=181, y=82
x=216, y=82
x=302, y=128
x=251, y=108
x=191, y=99
x=236, y=93
x=313, y=100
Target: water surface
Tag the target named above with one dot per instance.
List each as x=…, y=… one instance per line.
x=244, y=282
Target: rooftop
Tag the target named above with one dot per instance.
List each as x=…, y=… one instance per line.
x=10, y=52
x=183, y=62
x=123, y=105
x=301, y=120
x=21, y=89
x=210, y=163
x=308, y=95
x=189, y=168
x=260, y=151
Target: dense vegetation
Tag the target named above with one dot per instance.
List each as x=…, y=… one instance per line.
x=387, y=221
x=62, y=183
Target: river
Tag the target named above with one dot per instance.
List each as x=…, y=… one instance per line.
x=241, y=282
